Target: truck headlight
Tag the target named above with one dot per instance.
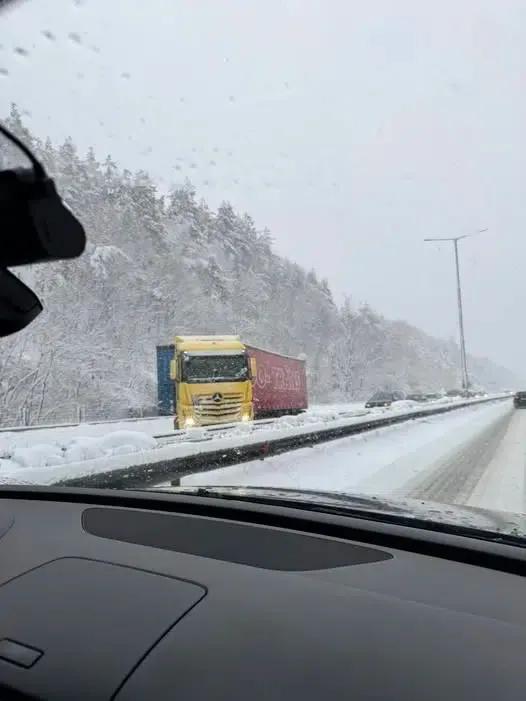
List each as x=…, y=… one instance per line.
x=245, y=417
x=189, y=421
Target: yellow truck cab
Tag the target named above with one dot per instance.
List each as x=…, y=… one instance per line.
x=212, y=378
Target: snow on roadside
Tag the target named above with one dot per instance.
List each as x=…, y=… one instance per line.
x=151, y=427
x=24, y=457
x=19, y=451
x=45, y=471
x=377, y=462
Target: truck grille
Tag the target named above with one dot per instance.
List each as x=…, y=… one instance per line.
x=218, y=407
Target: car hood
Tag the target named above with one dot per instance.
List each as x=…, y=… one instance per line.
x=498, y=524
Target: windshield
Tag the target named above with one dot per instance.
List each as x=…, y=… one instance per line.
x=316, y=205
x=214, y=368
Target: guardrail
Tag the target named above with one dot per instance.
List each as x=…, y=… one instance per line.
x=151, y=473
x=42, y=427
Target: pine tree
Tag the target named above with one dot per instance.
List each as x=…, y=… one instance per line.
x=153, y=269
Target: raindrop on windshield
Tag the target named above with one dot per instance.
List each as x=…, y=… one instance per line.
x=125, y=75
x=49, y=35
x=4, y=71
x=75, y=36
x=21, y=51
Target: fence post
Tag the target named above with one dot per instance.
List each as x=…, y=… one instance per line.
x=80, y=414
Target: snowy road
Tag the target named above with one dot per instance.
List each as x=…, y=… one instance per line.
x=476, y=456
x=473, y=454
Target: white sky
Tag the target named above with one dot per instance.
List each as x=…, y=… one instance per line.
x=351, y=129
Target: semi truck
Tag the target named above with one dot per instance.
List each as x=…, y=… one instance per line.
x=205, y=380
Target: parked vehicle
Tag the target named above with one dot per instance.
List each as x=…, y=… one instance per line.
x=470, y=393
x=204, y=380
x=454, y=393
x=519, y=400
x=417, y=397
x=384, y=399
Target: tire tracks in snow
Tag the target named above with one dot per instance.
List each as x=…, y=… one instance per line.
x=503, y=485
x=454, y=478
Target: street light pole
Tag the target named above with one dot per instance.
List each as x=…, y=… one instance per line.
x=463, y=355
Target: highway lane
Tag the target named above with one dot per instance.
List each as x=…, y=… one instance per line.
x=454, y=477
x=487, y=471
x=503, y=485
x=437, y=457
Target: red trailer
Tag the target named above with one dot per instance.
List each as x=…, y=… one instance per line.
x=280, y=385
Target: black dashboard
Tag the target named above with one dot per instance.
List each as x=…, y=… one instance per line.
x=134, y=596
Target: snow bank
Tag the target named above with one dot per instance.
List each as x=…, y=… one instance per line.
x=35, y=456
x=19, y=451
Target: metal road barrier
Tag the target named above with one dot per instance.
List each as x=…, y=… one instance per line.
x=174, y=469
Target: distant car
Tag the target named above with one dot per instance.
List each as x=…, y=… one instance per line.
x=384, y=399
x=454, y=393
x=519, y=399
x=430, y=396
x=470, y=393
x=417, y=397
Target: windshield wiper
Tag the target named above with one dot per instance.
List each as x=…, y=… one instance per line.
x=461, y=520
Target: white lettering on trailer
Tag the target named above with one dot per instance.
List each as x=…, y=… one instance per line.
x=281, y=379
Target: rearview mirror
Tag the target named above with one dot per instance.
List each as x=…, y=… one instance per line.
x=18, y=304
x=37, y=226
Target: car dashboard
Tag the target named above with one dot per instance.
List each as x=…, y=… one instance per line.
x=136, y=596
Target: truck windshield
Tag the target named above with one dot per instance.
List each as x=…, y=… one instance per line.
x=215, y=368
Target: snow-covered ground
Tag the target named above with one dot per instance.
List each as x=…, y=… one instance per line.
x=154, y=426
x=45, y=456
x=474, y=456
x=387, y=460
x=503, y=485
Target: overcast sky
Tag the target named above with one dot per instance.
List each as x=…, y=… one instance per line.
x=351, y=129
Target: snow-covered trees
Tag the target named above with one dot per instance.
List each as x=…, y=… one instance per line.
x=159, y=266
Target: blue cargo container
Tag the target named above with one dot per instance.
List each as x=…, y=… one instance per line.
x=165, y=386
